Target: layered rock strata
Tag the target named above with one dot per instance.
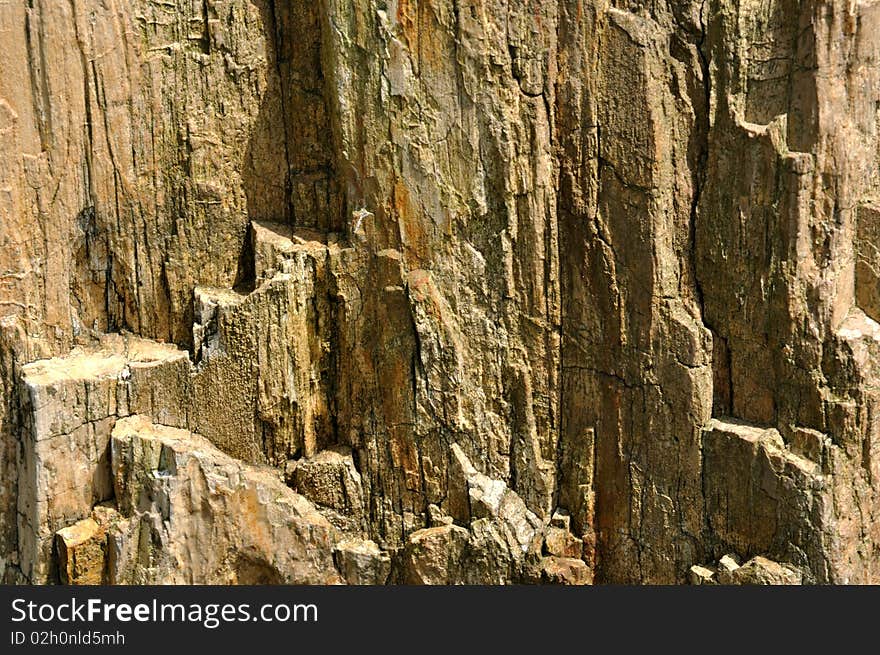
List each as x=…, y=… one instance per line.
x=439, y=291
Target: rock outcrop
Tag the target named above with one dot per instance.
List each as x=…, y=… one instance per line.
x=440, y=292
x=191, y=514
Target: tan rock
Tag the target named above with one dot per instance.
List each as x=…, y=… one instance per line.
x=700, y=575
x=253, y=529
x=624, y=260
x=330, y=480
x=82, y=549
x=437, y=518
x=561, y=519
x=867, y=253
x=361, y=562
x=266, y=350
x=435, y=556
x=70, y=405
x=562, y=543
x=491, y=498
x=762, y=571
x=727, y=566
x=565, y=571
x=762, y=497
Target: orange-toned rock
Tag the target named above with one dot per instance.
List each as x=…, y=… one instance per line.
x=82, y=553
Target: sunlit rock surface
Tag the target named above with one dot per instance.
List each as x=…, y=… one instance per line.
x=439, y=291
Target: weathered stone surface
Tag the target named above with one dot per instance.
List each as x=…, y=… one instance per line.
x=502, y=542
x=565, y=570
x=69, y=407
x=435, y=556
x=361, y=562
x=561, y=519
x=137, y=140
x=250, y=527
x=489, y=498
x=82, y=550
x=453, y=286
x=759, y=570
x=778, y=248
x=436, y=517
x=550, y=279
x=727, y=566
x=700, y=575
x=562, y=543
x=760, y=497
x=762, y=571
x=331, y=481
x=262, y=388
x=866, y=248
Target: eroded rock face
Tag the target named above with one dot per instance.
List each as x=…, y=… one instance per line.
x=762, y=498
x=175, y=490
x=491, y=537
x=361, y=562
x=69, y=408
x=331, y=480
x=82, y=553
x=440, y=291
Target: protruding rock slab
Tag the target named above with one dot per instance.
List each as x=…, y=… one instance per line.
x=473, y=495
x=331, y=481
x=762, y=571
x=491, y=537
x=700, y=575
x=361, y=562
x=761, y=497
x=275, y=243
x=70, y=405
x=198, y=516
x=82, y=549
x=757, y=571
x=435, y=556
x=562, y=543
x=727, y=567
x=268, y=349
x=565, y=571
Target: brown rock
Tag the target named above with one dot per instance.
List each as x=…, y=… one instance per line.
x=762, y=497
x=562, y=543
x=623, y=261
x=565, y=571
x=762, y=571
x=361, y=562
x=435, y=556
x=867, y=252
x=330, y=480
x=82, y=549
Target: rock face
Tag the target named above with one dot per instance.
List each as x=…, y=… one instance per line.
x=440, y=291
x=757, y=571
x=191, y=514
x=82, y=553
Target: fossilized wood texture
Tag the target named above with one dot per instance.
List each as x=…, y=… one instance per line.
x=440, y=291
